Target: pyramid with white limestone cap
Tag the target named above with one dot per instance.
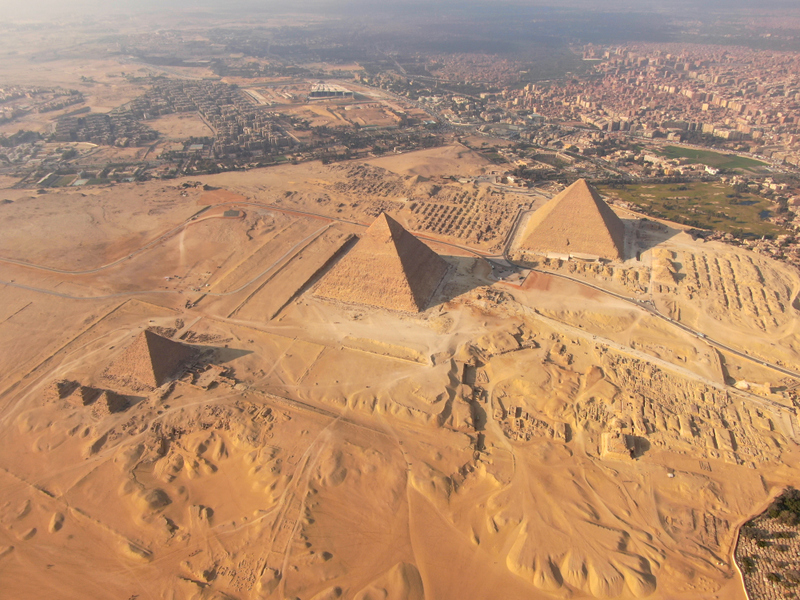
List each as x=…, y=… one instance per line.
x=576, y=221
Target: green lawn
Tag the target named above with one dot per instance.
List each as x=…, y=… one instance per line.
x=709, y=205
x=64, y=181
x=712, y=159
x=492, y=156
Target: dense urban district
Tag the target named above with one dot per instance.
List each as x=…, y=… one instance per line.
x=674, y=117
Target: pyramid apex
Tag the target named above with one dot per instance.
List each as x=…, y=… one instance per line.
x=579, y=188
x=151, y=335
x=384, y=216
x=384, y=225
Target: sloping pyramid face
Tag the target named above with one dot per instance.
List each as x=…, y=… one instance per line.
x=150, y=360
x=576, y=221
x=388, y=268
x=108, y=402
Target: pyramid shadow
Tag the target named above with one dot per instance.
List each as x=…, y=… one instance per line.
x=133, y=399
x=219, y=354
x=640, y=446
x=465, y=273
x=646, y=234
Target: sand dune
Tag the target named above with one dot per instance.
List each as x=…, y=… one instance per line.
x=526, y=439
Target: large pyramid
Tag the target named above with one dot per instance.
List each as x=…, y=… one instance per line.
x=150, y=360
x=576, y=221
x=388, y=267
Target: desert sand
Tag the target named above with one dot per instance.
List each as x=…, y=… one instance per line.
x=184, y=416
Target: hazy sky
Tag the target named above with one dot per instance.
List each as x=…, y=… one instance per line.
x=49, y=9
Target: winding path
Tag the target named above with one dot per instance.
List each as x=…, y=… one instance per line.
x=500, y=260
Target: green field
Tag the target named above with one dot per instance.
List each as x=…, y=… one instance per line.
x=64, y=181
x=492, y=156
x=704, y=205
x=712, y=159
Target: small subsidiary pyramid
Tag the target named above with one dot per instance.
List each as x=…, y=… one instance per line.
x=576, y=221
x=150, y=360
x=108, y=402
x=388, y=268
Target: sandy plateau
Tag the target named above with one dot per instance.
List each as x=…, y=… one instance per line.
x=571, y=429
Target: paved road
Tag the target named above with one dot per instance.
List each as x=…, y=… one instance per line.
x=175, y=230
x=71, y=297
x=497, y=259
x=663, y=364
x=650, y=308
x=147, y=246
x=276, y=262
x=645, y=305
